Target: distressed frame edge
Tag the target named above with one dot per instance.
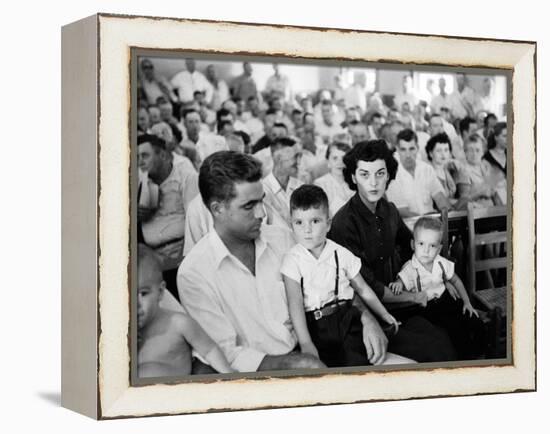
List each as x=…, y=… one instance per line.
x=80, y=181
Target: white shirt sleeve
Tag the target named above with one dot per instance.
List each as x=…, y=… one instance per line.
x=350, y=263
x=448, y=266
x=290, y=268
x=199, y=298
x=408, y=277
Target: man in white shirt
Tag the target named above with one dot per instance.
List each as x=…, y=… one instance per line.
x=416, y=186
x=230, y=281
x=278, y=84
x=407, y=95
x=204, y=143
x=464, y=100
x=188, y=81
x=441, y=100
x=161, y=224
x=356, y=94
x=220, y=90
x=328, y=127
x=282, y=181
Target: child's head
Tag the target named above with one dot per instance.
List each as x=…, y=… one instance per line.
x=473, y=148
x=150, y=285
x=309, y=214
x=428, y=232
x=335, y=157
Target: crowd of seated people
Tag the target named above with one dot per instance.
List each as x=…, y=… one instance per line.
x=234, y=177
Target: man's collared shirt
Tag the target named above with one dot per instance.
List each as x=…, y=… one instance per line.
x=165, y=230
x=338, y=193
x=319, y=275
x=415, y=192
x=187, y=83
x=245, y=314
x=277, y=197
x=432, y=282
x=380, y=240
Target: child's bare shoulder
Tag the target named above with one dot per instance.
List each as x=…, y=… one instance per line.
x=179, y=320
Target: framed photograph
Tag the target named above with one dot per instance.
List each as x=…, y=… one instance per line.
x=261, y=216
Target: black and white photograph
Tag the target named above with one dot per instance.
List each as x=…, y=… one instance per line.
x=293, y=215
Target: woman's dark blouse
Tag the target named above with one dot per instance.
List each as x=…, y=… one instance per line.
x=381, y=240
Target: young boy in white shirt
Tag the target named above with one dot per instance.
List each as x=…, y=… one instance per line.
x=165, y=337
x=321, y=278
x=429, y=272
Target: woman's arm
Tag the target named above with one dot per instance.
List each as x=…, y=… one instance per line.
x=298, y=316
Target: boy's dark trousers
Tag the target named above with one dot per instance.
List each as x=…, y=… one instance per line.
x=467, y=332
x=339, y=337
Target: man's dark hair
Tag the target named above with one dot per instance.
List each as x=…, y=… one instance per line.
x=488, y=118
x=157, y=143
x=370, y=150
x=438, y=138
x=497, y=130
x=464, y=124
x=270, y=111
x=281, y=142
x=280, y=125
x=407, y=135
x=221, y=170
x=374, y=115
x=308, y=196
x=337, y=145
x=221, y=113
x=161, y=100
x=221, y=125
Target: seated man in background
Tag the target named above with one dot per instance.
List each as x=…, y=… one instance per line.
x=416, y=186
x=161, y=221
x=282, y=181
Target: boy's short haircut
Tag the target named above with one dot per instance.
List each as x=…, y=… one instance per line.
x=220, y=171
x=430, y=223
x=344, y=147
x=156, y=142
x=145, y=253
x=438, y=138
x=308, y=196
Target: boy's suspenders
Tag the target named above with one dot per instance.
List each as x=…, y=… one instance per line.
x=419, y=284
x=336, y=283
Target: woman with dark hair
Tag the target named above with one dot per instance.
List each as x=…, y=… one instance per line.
x=372, y=229
x=451, y=173
x=497, y=144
